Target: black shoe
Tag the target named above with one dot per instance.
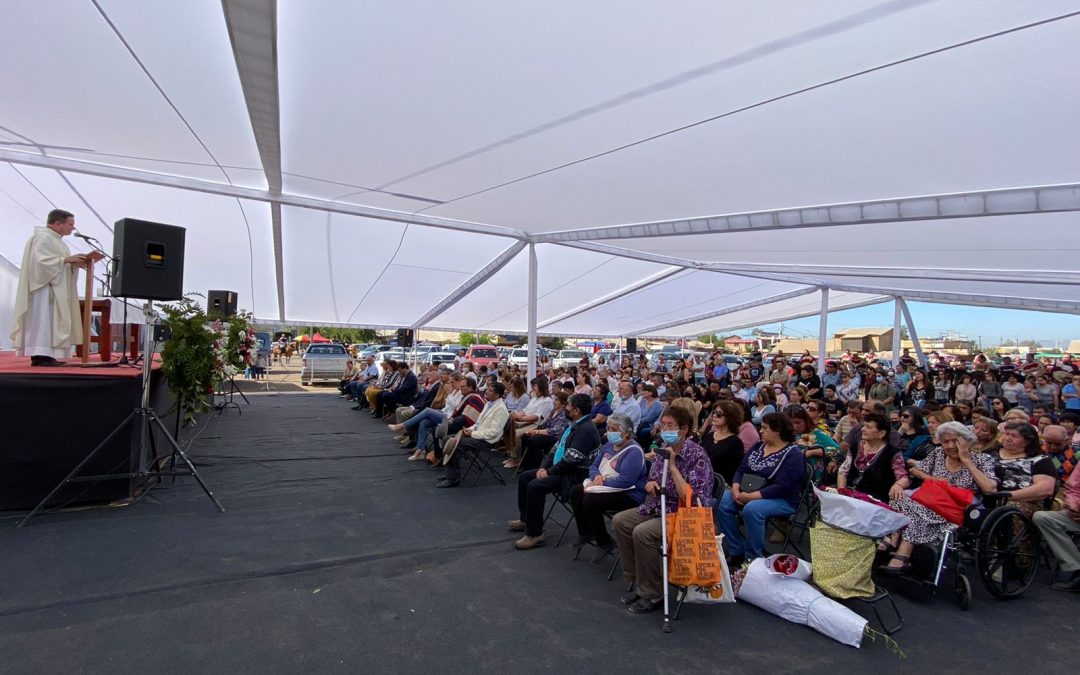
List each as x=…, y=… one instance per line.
x=581, y=541
x=630, y=598
x=735, y=561
x=358, y=407
x=1070, y=586
x=644, y=606
x=44, y=361
x=603, y=551
x=447, y=483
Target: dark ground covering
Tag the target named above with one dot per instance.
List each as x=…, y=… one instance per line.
x=337, y=555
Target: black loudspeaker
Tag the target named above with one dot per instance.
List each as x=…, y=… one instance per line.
x=149, y=260
x=220, y=304
x=631, y=345
x=404, y=337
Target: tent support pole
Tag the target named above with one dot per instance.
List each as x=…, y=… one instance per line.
x=532, y=312
x=923, y=363
x=823, y=330
x=896, y=333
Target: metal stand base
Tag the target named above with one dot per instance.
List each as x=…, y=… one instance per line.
x=229, y=401
x=147, y=420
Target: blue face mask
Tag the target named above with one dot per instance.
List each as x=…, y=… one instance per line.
x=879, y=378
x=614, y=436
x=669, y=437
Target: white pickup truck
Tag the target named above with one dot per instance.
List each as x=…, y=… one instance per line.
x=324, y=362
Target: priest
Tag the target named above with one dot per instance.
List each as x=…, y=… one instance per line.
x=47, y=320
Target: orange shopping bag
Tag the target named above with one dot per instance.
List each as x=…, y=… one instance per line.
x=693, y=559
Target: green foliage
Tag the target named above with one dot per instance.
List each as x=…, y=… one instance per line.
x=348, y=336
x=466, y=339
x=188, y=358
x=558, y=344
x=708, y=339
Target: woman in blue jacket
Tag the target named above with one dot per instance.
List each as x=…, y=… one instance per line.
x=616, y=482
x=768, y=483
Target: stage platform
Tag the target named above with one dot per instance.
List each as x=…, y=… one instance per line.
x=54, y=417
x=336, y=555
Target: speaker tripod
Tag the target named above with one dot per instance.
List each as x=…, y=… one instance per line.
x=146, y=422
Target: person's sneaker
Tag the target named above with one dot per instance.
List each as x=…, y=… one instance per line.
x=581, y=541
x=516, y=525
x=1070, y=586
x=527, y=542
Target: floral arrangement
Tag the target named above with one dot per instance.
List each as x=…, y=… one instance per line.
x=202, y=354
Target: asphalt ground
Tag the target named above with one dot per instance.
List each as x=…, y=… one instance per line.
x=337, y=555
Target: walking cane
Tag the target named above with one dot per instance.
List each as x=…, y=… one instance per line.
x=663, y=541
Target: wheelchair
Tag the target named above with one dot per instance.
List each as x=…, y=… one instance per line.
x=999, y=541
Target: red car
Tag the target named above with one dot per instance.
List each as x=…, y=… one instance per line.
x=482, y=355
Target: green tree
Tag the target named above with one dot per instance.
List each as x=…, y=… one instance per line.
x=466, y=339
x=707, y=339
x=558, y=343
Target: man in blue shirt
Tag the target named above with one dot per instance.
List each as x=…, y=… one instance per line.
x=1070, y=394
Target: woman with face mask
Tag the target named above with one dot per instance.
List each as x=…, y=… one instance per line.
x=638, y=530
x=616, y=482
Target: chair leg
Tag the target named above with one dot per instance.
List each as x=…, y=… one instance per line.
x=680, y=598
x=566, y=527
x=614, y=566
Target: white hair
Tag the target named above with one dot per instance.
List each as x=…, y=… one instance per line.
x=955, y=428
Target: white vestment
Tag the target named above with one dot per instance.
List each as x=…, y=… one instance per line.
x=47, y=318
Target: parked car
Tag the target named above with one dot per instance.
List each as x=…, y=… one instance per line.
x=482, y=355
x=568, y=357
x=392, y=355
x=453, y=349
x=439, y=359
x=519, y=356
x=324, y=362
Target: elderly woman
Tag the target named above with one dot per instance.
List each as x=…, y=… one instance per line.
x=878, y=468
x=954, y=463
x=768, y=483
x=638, y=531
x=616, y=482
x=1022, y=468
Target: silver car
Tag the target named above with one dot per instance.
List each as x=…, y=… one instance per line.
x=324, y=362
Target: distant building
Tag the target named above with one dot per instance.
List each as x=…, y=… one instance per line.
x=865, y=339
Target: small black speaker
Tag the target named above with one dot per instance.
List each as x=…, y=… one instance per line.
x=220, y=304
x=149, y=260
x=631, y=345
x=404, y=337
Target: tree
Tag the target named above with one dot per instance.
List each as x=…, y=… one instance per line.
x=558, y=343
x=707, y=339
x=466, y=339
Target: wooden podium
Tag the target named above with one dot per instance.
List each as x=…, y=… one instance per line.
x=89, y=306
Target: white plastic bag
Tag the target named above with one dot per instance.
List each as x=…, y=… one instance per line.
x=799, y=602
x=719, y=594
x=858, y=517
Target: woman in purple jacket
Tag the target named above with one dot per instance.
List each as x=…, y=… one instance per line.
x=616, y=482
x=775, y=471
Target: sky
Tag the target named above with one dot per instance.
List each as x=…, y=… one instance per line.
x=932, y=320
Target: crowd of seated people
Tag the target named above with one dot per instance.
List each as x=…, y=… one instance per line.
x=592, y=435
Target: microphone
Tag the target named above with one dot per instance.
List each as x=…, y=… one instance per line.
x=82, y=236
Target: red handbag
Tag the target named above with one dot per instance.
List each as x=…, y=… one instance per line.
x=948, y=501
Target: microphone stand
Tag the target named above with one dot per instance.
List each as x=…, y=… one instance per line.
x=106, y=285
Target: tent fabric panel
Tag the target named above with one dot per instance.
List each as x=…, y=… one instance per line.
x=353, y=270
x=786, y=310
x=949, y=126
x=684, y=295
x=86, y=97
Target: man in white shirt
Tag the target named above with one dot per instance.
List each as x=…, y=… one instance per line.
x=481, y=436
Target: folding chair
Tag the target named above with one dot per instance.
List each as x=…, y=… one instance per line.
x=479, y=460
x=800, y=520
x=558, y=499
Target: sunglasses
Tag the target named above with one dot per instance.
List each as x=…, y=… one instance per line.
x=905, y=416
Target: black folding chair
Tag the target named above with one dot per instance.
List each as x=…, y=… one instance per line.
x=557, y=499
x=798, y=523
x=478, y=459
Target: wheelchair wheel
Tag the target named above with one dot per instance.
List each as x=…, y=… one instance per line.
x=963, y=591
x=1006, y=552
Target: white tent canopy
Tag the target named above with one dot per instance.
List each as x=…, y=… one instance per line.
x=674, y=170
